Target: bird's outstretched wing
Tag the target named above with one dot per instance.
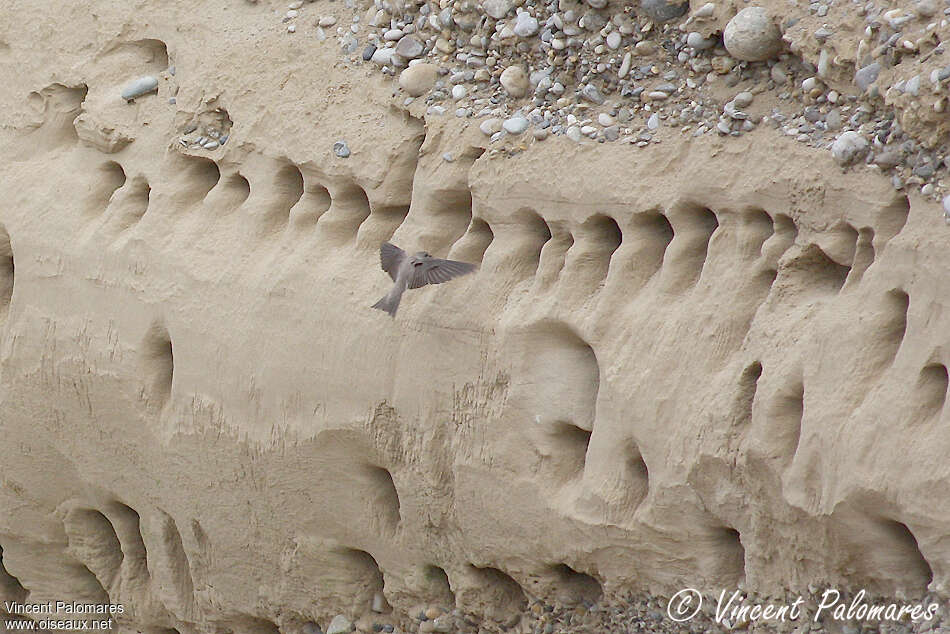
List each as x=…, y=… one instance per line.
x=436, y=271
x=390, y=257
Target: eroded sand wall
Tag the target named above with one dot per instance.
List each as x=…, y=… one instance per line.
x=701, y=363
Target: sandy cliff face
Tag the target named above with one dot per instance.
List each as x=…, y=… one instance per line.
x=710, y=362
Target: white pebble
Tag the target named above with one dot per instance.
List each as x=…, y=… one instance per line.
x=515, y=125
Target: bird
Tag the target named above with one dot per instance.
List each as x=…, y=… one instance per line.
x=414, y=271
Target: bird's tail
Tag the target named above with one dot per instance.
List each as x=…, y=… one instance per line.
x=389, y=303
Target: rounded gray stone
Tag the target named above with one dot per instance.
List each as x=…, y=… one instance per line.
x=139, y=87
x=515, y=125
x=525, y=25
x=663, y=10
x=496, y=8
x=752, y=36
x=866, y=76
x=697, y=41
x=409, y=47
x=849, y=147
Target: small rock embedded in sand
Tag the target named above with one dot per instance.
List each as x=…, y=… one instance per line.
x=697, y=41
x=490, y=126
x=409, y=47
x=379, y=603
x=139, y=87
x=591, y=94
x=663, y=10
x=341, y=149
x=418, y=78
x=515, y=125
x=339, y=625
x=946, y=208
x=752, y=36
x=497, y=8
x=705, y=11
x=383, y=56
x=525, y=25
x=866, y=76
x=743, y=99
x=849, y=147
x=515, y=81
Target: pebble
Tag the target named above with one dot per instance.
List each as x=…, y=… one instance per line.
x=613, y=40
x=515, y=81
x=866, y=76
x=849, y=147
x=311, y=628
x=497, y=8
x=458, y=92
x=743, y=99
x=654, y=121
x=605, y=119
x=697, y=41
x=540, y=134
x=327, y=20
x=409, y=47
x=139, y=87
x=590, y=93
x=946, y=207
x=339, y=625
x=525, y=25
x=752, y=36
x=341, y=149
x=292, y=28
x=515, y=125
x=418, y=78
x=625, y=65
x=379, y=603
x=491, y=126
x=383, y=56
x=663, y=10
x=574, y=133
x=368, y=52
